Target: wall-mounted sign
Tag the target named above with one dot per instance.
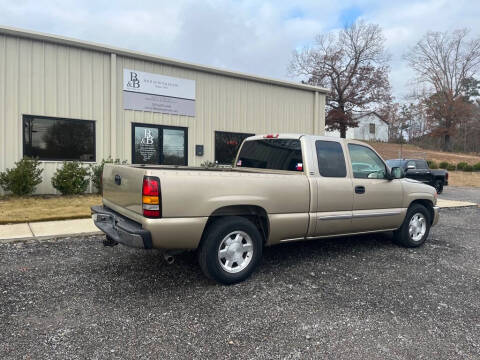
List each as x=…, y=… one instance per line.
x=158, y=93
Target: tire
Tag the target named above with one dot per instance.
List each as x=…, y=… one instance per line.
x=421, y=223
x=230, y=250
x=438, y=186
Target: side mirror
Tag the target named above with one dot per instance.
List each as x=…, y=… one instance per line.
x=410, y=167
x=396, y=173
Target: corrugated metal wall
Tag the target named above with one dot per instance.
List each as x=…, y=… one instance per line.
x=222, y=103
x=42, y=78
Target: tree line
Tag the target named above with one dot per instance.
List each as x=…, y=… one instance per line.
x=443, y=108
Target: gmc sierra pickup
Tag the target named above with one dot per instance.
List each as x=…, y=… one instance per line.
x=283, y=188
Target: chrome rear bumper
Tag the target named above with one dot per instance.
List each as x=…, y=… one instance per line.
x=121, y=229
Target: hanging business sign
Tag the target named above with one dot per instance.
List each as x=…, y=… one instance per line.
x=158, y=93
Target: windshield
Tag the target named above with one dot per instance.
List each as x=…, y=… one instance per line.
x=394, y=163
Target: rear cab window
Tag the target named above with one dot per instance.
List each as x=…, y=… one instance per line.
x=273, y=154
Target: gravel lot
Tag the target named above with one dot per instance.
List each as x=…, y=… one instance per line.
x=461, y=194
x=348, y=298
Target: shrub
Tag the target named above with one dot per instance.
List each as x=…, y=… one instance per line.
x=209, y=164
x=71, y=179
x=443, y=165
x=451, y=167
x=432, y=164
x=476, y=167
x=461, y=165
x=97, y=171
x=23, y=178
x=468, y=168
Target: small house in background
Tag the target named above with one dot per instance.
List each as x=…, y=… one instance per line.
x=371, y=126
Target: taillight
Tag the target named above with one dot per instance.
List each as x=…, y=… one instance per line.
x=151, y=197
x=446, y=176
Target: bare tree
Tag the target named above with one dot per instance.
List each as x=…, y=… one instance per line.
x=353, y=65
x=446, y=64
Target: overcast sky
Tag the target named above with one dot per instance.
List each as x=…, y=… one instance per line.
x=250, y=36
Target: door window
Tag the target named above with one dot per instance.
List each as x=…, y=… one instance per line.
x=331, y=162
x=174, y=147
x=366, y=164
x=154, y=144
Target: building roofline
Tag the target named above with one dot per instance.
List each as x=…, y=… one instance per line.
x=7, y=30
x=362, y=115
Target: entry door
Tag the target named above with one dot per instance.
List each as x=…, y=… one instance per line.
x=155, y=144
x=334, y=190
x=377, y=201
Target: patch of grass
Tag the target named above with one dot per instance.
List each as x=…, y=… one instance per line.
x=462, y=178
x=45, y=207
x=408, y=151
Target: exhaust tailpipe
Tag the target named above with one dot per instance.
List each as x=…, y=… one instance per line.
x=168, y=258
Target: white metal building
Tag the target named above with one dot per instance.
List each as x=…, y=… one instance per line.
x=371, y=126
x=64, y=99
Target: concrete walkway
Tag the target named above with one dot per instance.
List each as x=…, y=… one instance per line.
x=443, y=203
x=61, y=228
x=47, y=229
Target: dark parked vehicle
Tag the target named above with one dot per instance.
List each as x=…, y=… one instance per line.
x=418, y=169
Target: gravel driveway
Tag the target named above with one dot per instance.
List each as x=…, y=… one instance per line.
x=350, y=298
x=461, y=194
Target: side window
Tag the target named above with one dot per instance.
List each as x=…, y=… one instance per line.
x=421, y=164
x=331, y=162
x=366, y=164
x=411, y=163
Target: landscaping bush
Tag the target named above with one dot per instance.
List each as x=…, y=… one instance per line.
x=451, y=167
x=432, y=164
x=443, y=165
x=468, y=168
x=209, y=164
x=97, y=171
x=23, y=178
x=71, y=179
x=476, y=167
x=462, y=165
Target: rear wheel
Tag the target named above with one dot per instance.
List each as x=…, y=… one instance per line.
x=438, y=186
x=415, y=228
x=230, y=250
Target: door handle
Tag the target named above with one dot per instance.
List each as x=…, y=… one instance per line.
x=360, y=189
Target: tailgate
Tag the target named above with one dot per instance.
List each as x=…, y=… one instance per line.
x=122, y=186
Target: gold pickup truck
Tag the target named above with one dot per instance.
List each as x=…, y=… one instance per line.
x=283, y=188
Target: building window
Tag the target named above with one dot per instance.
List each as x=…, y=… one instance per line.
x=156, y=144
x=48, y=138
x=372, y=128
x=227, y=145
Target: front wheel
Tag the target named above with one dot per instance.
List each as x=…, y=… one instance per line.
x=415, y=228
x=230, y=250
